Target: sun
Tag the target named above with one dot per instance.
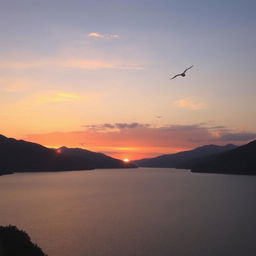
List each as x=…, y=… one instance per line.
x=126, y=160
x=58, y=151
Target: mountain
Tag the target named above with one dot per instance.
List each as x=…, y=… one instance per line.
x=23, y=156
x=241, y=160
x=98, y=160
x=185, y=159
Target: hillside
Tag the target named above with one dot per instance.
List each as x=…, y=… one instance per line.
x=97, y=160
x=184, y=159
x=17, y=242
x=241, y=160
x=23, y=156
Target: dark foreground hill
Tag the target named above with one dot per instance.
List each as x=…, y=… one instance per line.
x=15, y=242
x=241, y=160
x=23, y=156
x=185, y=159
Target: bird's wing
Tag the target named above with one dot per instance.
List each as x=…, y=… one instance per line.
x=175, y=76
x=188, y=69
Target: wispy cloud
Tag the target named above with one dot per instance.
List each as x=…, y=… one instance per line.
x=14, y=84
x=188, y=103
x=240, y=136
x=52, y=96
x=95, y=34
x=86, y=64
x=114, y=36
x=25, y=64
x=68, y=63
x=96, y=64
x=59, y=97
x=118, y=126
x=99, y=35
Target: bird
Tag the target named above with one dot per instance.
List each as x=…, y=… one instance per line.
x=182, y=74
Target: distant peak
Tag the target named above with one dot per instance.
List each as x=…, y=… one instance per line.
x=3, y=137
x=230, y=145
x=63, y=147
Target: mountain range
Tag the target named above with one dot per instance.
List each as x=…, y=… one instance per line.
x=185, y=159
x=228, y=159
x=241, y=160
x=23, y=156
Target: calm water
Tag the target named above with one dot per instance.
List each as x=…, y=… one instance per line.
x=142, y=212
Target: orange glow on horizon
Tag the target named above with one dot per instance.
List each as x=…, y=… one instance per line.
x=58, y=151
x=114, y=144
x=125, y=155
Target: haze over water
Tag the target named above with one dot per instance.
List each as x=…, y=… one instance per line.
x=143, y=211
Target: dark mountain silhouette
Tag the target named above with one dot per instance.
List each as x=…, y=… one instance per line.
x=184, y=159
x=241, y=160
x=15, y=242
x=98, y=160
x=23, y=156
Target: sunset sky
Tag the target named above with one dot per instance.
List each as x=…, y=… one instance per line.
x=95, y=74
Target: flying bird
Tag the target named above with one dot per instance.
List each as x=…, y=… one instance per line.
x=183, y=73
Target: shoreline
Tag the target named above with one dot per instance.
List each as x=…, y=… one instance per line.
x=6, y=173
x=64, y=170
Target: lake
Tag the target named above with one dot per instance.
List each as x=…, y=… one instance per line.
x=133, y=212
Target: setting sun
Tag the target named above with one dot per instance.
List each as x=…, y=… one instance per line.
x=58, y=151
x=126, y=160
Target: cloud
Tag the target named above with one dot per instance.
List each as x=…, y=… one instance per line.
x=86, y=64
x=50, y=63
x=131, y=125
x=114, y=36
x=117, y=126
x=25, y=64
x=239, y=137
x=97, y=64
x=95, y=34
x=99, y=35
x=188, y=104
x=14, y=84
x=146, y=134
x=137, y=139
x=60, y=97
x=53, y=96
x=68, y=63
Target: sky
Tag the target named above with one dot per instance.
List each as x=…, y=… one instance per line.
x=95, y=74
